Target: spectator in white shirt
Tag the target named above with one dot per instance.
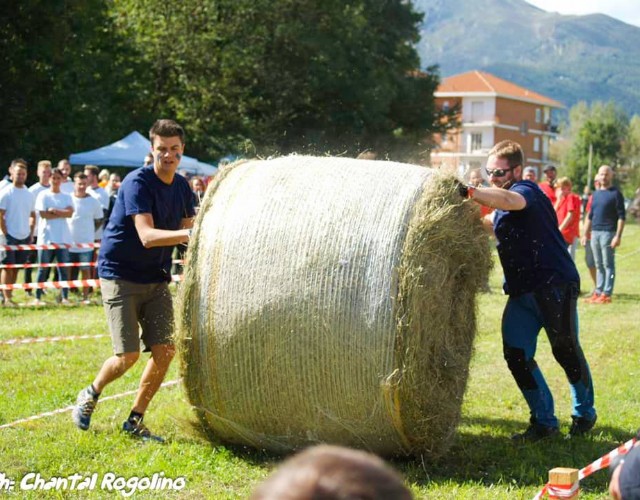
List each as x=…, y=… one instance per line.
x=87, y=216
x=92, y=172
x=66, y=186
x=4, y=183
x=54, y=207
x=17, y=222
x=44, y=176
x=94, y=189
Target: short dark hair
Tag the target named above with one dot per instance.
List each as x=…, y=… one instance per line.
x=333, y=472
x=80, y=175
x=58, y=171
x=510, y=151
x=19, y=161
x=166, y=128
x=91, y=168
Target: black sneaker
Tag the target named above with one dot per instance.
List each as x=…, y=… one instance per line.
x=581, y=425
x=135, y=428
x=535, y=432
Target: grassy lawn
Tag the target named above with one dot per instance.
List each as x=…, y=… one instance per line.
x=482, y=464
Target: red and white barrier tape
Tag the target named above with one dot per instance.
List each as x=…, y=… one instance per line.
x=605, y=461
x=62, y=264
x=556, y=491
x=69, y=408
x=52, y=264
x=51, y=284
x=50, y=246
x=39, y=340
x=65, y=284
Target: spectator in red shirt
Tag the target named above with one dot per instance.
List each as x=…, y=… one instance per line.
x=548, y=186
x=567, y=206
x=476, y=180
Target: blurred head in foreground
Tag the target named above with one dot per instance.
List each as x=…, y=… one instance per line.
x=331, y=472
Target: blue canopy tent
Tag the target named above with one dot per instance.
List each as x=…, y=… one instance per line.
x=130, y=152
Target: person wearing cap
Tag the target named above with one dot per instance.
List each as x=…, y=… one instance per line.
x=530, y=174
x=548, y=186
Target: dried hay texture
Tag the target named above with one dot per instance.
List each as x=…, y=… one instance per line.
x=331, y=300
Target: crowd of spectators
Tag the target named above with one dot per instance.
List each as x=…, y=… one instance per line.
x=60, y=208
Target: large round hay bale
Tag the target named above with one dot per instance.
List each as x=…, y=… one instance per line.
x=331, y=300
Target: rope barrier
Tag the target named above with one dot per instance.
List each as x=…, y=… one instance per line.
x=62, y=264
x=51, y=264
x=70, y=408
x=66, y=284
x=51, y=246
x=39, y=340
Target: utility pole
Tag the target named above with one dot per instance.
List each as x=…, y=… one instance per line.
x=590, y=165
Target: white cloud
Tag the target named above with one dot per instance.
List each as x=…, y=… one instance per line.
x=625, y=10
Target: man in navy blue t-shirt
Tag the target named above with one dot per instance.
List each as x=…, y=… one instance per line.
x=543, y=285
x=603, y=231
x=153, y=212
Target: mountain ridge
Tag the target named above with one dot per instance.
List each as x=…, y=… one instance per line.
x=566, y=57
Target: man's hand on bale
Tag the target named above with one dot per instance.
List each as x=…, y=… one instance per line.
x=465, y=191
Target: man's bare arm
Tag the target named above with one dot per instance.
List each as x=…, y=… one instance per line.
x=152, y=237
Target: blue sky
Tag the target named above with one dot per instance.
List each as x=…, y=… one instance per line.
x=625, y=10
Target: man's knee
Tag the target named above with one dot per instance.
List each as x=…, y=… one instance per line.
x=128, y=359
x=521, y=368
x=570, y=357
x=163, y=353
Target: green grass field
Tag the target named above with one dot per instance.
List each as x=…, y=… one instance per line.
x=482, y=463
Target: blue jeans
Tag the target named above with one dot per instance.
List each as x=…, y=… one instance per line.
x=604, y=257
x=46, y=257
x=555, y=309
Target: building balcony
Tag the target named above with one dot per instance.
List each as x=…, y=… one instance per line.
x=461, y=151
x=479, y=121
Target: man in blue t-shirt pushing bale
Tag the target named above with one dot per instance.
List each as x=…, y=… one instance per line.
x=153, y=212
x=542, y=283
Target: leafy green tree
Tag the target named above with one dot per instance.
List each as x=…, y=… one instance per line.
x=631, y=151
x=602, y=126
x=64, y=82
x=284, y=75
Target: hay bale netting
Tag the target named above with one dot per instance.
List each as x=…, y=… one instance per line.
x=331, y=300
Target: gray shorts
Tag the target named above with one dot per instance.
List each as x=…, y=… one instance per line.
x=137, y=312
x=588, y=255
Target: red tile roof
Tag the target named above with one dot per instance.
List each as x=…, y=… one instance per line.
x=486, y=83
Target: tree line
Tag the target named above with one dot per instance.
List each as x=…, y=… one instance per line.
x=251, y=77
x=605, y=131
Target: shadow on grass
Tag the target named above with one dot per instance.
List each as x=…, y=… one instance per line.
x=488, y=456
x=627, y=298
x=482, y=453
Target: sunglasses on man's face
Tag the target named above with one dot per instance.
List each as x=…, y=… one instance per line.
x=498, y=172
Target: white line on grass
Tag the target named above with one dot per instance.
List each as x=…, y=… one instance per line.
x=38, y=340
x=69, y=408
